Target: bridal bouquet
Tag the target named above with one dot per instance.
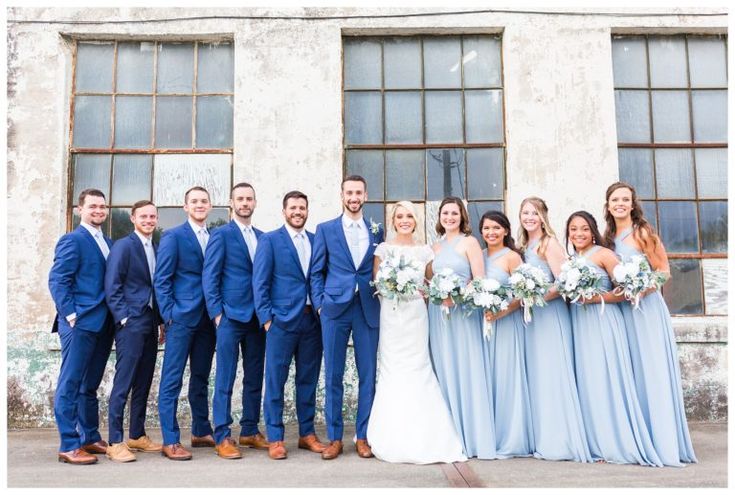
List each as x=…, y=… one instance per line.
x=636, y=276
x=486, y=294
x=444, y=284
x=579, y=281
x=528, y=283
x=399, y=278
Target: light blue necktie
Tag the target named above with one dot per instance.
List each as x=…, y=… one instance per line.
x=151, y=258
x=354, y=232
x=102, y=244
x=203, y=237
x=301, y=250
x=250, y=240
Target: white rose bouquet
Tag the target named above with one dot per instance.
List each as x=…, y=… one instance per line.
x=528, y=283
x=399, y=278
x=579, y=281
x=636, y=276
x=445, y=283
x=486, y=294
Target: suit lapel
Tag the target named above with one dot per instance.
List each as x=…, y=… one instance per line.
x=90, y=239
x=292, y=248
x=140, y=250
x=239, y=239
x=371, y=244
x=340, y=235
x=191, y=237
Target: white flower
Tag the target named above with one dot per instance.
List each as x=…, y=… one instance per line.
x=446, y=285
x=516, y=278
x=530, y=284
x=490, y=284
x=619, y=272
x=403, y=278
x=573, y=275
x=374, y=227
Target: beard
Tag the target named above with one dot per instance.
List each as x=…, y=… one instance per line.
x=291, y=221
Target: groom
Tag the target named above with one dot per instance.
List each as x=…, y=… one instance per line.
x=342, y=265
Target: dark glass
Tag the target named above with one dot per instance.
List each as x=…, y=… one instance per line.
x=446, y=173
x=713, y=226
x=683, y=293
x=368, y=164
x=678, y=226
x=120, y=223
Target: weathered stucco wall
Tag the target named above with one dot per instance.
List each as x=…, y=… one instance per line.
x=560, y=134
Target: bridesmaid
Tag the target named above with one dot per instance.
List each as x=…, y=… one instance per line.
x=456, y=342
x=558, y=428
x=616, y=428
x=650, y=334
x=514, y=435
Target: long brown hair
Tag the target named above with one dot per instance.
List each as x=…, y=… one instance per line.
x=502, y=220
x=547, y=231
x=464, y=223
x=636, y=214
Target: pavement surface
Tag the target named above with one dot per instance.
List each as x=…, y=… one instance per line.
x=32, y=462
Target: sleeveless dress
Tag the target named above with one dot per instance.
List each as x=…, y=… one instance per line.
x=514, y=436
x=409, y=420
x=461, y=364
x=616, y=429
x=656, y=370
x=558, y=428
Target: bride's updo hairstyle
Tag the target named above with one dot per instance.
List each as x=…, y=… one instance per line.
x=408, y=206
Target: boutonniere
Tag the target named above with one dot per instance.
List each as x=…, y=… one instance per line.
x=374, y=229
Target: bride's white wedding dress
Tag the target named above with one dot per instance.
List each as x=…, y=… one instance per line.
x=409, y=421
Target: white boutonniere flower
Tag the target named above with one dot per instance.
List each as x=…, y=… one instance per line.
x=374, y=227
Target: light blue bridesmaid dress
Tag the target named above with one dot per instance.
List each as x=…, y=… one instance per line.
x=506, y=349
x=460, y=363
x=558, y=428
x=656, y=370
x=615, y=426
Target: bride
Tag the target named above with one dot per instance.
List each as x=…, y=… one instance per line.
x=409, y=420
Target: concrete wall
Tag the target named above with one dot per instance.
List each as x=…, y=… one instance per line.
x=560, y=134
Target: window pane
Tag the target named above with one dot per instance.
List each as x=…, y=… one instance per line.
x=133, y=116
x=632, y=117
x=485, y=173
x=446, y=173
x=217, y=217
x=171, y=217
x=174, y=174
x=76, y=219
x=711, y=172
x=629, y=62
x=444, y=117
x=476, y=209
x=215, y=65
x=402, y=62
x=374, y=212
x=368, y=164
x=92, y=121
x=683, y=293
x=214, y=122
x=135, y=67
x=131, y=179
x=363, y=118
x=649, y=213
x=173, y=121
x=671, y=116
x=709, y=109
x=441, y=62
x=362, y=64
x=404, y=172
x=403, y=117
x=481, y=61
x=713, y=224
x=484, y=116
x=707, y=62
x=678, y=226
x=636, y=168
x=175, y=68
x=91, y=171
x=120, y=224
x=675, y=173
x=94, y=67
x=667, y=55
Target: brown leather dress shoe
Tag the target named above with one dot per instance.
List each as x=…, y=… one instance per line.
x=77, y=456
x=98, y=447
x=176, y=452
x=363, y=449
x=277, y=450
x=333, y=450
x=205, y=441
x=256, y=441
x=312, y=443
x=227, y=449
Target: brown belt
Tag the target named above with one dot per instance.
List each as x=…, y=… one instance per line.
x=307, y=309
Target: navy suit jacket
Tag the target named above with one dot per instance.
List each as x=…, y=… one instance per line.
x=128, y=284
x=335, y=276
x=76, y=280
x=279, y=285
x=178, y=277
x=228, y=274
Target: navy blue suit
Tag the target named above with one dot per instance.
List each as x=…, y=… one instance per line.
x=281, y=288
x=189, y=332
x=76, y=283
x=343, y=310
x=128, y=291
x=228, y=291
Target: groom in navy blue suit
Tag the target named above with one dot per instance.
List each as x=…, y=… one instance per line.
x=342, y=268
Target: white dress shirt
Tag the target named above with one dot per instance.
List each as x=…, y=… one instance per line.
x=307, y=245
x=196, y=228
x=363, y=237
x=251, y=240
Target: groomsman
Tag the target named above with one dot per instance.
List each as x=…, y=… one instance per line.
x=129, y=295
x=189, y=331
x=281, y=280
x=227, y=283
x=76, y=283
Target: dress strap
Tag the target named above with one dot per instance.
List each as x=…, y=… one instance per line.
x=625, y=233
x=590, y=251
x=497, y=255
x=531, y=246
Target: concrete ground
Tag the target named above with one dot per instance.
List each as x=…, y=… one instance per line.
x=32, y=463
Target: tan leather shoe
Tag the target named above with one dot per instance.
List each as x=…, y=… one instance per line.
x=119, y=452
x=312, y=443
x=205, y=441
x=277, y=450
x=143, y=444
x=98, y=447
x=333, y=450
x=77, y=456
x=227, y=449
x=363, y=449
x=176, y=452
x=256, y=441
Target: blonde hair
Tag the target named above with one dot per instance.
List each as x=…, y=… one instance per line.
x=546, y=230
x=411, y=209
